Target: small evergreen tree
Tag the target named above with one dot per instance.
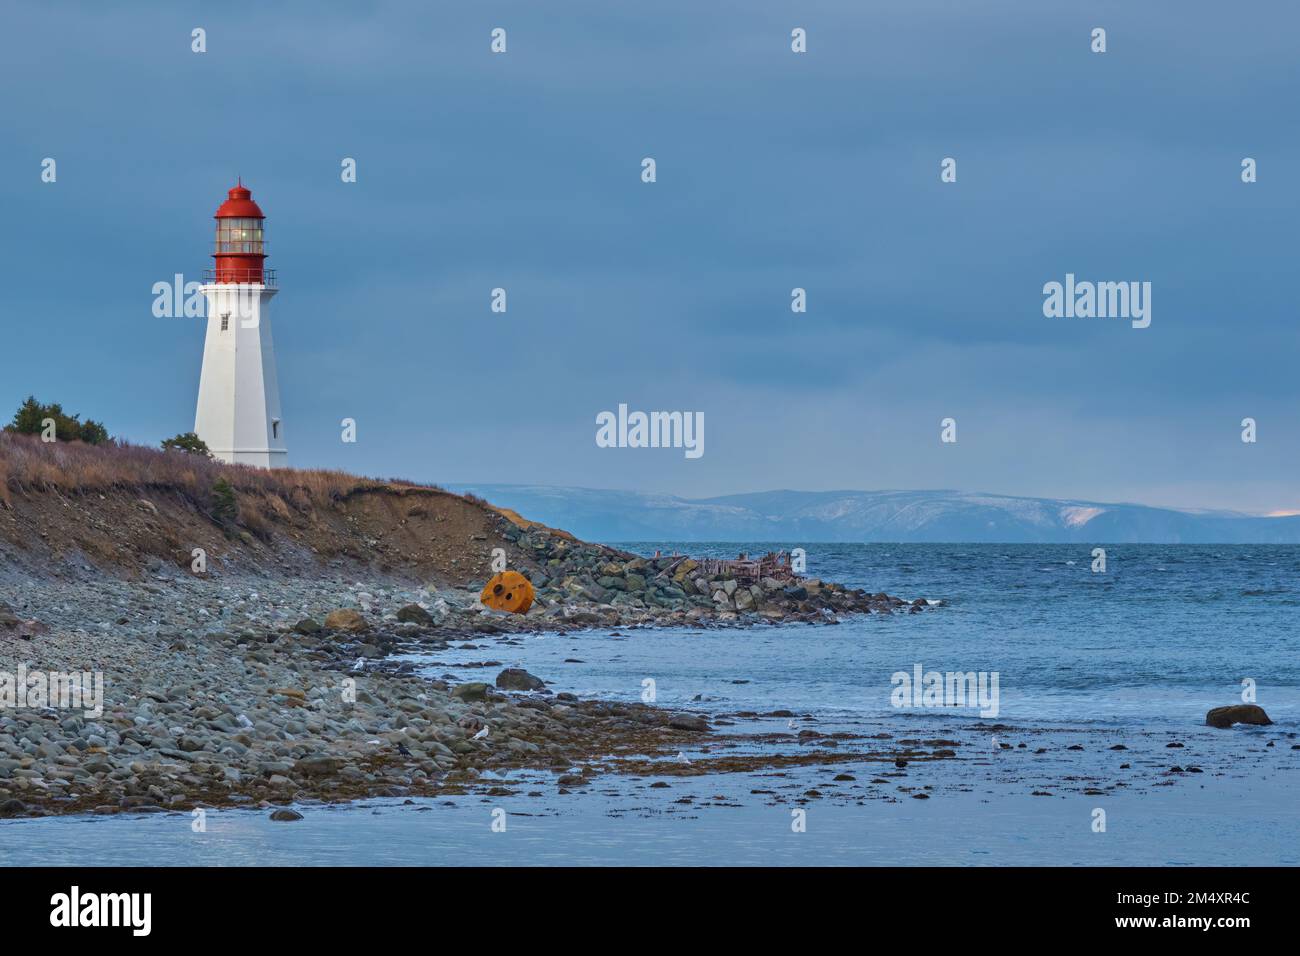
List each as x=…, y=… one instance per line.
x=225, y=509
x=93, y=433
x=31, y=417
x=189, y=442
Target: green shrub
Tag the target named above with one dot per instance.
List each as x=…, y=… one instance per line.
x=225, y=509
x=188, y=442
x=31, y=417
x=93, y=433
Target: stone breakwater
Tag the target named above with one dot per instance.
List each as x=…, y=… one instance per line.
x=230, y=691
x=596, y=585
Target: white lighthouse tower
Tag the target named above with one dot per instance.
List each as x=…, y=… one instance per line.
x=239, y=398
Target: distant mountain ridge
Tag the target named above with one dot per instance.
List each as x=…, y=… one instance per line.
x=866, y=516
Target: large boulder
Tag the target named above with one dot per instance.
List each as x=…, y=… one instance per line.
x=414, y=614
x=516, y=678
x=1237, y=714
x=316, y=765
x=12, y=624
x=475, y=690
x=684, y=569
x=688, y=722
x=347, y=620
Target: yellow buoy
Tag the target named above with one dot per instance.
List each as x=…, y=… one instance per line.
x=508, y=591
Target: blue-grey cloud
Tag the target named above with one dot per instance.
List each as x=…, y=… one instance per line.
x=775, y=171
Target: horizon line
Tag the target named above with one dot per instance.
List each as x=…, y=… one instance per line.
x=1202, y=511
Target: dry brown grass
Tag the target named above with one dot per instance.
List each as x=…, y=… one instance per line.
x=30, y=466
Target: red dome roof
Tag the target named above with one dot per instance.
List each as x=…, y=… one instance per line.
x=239, y=205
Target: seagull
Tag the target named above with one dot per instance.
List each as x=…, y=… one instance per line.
x=360, y=664
x=681, y=758
x=482, y=734
x=790, y=723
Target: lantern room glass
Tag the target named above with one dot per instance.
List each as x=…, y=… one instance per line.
x=240, y=236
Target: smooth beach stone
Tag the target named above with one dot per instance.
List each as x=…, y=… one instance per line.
x=475, y=690
x=1237, y=714
x=346, y=620
x=516, y=678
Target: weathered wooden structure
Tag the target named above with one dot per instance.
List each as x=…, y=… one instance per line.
x=775, y=565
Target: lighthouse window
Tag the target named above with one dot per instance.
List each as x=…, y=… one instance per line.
x=275, y=428
x=239, y=235
x=225, y=321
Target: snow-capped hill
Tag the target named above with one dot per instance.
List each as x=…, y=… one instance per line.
x=874, y=516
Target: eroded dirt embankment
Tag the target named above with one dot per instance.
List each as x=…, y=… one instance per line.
x=74, y=513
x=408, y=532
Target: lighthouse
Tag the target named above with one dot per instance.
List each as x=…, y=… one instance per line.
x=239, y=398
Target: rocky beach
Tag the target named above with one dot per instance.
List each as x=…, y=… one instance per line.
x=220, y=694
x=268, y=673
x=279, y=644
x=275, y=695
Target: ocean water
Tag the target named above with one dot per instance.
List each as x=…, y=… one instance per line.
x=1165, y=633
x=1221, y=825
x=1087, y=662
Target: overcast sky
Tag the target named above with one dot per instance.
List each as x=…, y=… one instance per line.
x=775, y=170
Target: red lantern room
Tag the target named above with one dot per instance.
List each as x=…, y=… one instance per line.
x=241, y=240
